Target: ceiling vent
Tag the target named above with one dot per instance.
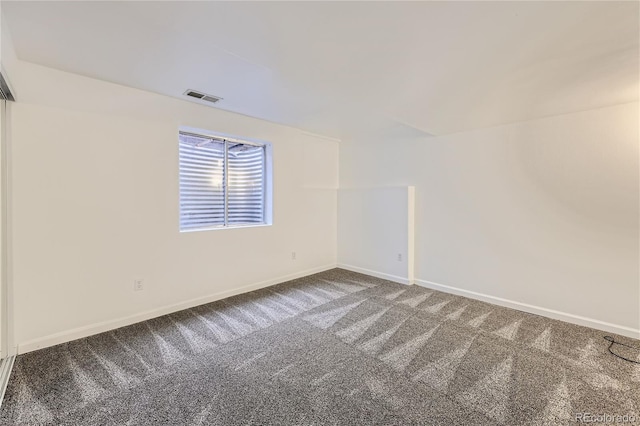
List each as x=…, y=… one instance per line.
x=202, y=96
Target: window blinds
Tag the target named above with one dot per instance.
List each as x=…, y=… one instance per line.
x=222, y=183
x=245, y=202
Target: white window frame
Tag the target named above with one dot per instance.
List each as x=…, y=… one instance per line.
x=266, y=180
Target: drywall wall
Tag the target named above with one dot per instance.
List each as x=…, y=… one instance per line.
x=7, y=58
x=94, y=205
x=375, y=232
x=542, y=213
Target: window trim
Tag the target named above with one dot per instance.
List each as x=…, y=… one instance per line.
x=221, y=137
x=266, y=181
x=233, y=226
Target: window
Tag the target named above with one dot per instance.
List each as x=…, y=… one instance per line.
x=223, y=182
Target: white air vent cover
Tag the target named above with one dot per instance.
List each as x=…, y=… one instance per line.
x=202, y=96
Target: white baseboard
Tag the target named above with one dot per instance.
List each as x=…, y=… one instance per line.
x=550, y=313
x=377, y=274
x=89, y=330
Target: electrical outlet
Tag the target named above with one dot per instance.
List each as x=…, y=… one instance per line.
x=399, y=257
x=293, y=255
x=138, y=285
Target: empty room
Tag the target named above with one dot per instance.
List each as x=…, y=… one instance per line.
x=319, y=213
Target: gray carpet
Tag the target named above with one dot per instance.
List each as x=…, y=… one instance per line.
x=333, y=348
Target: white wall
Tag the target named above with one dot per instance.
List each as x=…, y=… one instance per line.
x=94, y=204
x=7, y=58
x=543, y=213
x=375, y=232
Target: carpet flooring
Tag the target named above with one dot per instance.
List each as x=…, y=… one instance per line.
x=335, y=348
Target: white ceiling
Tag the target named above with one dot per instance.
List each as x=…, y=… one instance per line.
x=351, y=69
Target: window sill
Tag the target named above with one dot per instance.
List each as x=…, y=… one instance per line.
x=220, y=228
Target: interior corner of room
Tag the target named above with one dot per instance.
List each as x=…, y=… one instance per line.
x=507, y=175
